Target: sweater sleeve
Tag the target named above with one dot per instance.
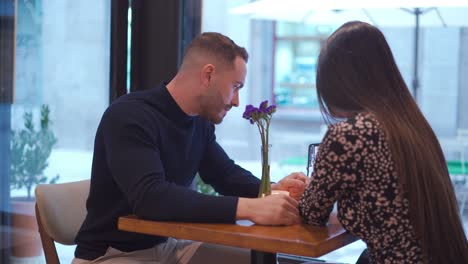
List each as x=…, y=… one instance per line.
x=134, y=161
x=335, y=171
x=226, y=177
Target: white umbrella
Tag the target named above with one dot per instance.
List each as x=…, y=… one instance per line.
x=383, y=13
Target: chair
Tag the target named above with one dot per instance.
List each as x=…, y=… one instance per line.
x=60, y=211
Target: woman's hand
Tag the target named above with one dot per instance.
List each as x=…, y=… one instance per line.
x=295, y=183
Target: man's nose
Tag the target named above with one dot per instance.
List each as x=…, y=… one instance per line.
x=235, y=100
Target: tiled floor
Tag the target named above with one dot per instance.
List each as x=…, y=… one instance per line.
x=348, y=254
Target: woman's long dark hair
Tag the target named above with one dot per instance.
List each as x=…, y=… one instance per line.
x=357, y=73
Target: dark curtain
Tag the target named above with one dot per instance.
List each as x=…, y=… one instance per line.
x=118, y=46
x=160, y=32
x=7, y=42
x=156, y=38
x=191, y=26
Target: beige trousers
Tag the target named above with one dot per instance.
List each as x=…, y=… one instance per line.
x=175, y=252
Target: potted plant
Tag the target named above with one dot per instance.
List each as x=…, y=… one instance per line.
x=30, y=150
x=202, y=187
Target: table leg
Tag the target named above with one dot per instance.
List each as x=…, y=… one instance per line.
x=260, y=257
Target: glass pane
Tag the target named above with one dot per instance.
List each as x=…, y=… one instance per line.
x=283, y=47
x=295, y=63
x=281, y=69
x=61, y=88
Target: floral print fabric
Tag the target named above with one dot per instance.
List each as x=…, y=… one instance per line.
x=354, y=167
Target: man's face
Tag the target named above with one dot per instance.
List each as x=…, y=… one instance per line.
x=223, y=91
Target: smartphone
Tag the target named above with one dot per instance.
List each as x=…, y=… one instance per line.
x=311, y=153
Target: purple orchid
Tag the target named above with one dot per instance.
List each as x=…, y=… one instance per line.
x=256, y=115
x=262, y=117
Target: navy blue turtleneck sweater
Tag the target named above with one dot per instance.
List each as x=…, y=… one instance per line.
x=146, y=154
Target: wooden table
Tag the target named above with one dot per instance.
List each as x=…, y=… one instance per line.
x=264, y=241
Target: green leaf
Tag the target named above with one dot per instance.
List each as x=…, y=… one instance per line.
x=30, y=152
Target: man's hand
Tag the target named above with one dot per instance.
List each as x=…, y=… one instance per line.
x=295, y=183
x=270, y=210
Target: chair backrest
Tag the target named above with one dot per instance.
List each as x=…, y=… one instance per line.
x=60, y=211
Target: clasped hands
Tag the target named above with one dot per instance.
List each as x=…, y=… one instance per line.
x=295, y=183
x=275, y=209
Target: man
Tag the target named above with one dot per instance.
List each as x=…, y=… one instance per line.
x=148, y=148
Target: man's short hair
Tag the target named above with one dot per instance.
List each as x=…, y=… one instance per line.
x=217, y=45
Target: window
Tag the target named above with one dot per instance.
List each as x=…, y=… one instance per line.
x=61, y=83
x=297, y=47
x=283, y=48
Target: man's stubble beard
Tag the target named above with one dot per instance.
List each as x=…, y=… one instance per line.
x=208, y=108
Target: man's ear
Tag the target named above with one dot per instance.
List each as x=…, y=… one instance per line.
x=206, y=74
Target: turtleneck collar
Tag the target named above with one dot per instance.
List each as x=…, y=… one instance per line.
x=168, y=106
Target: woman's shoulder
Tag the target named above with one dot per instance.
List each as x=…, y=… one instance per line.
x=365, y=120
x=361, y=124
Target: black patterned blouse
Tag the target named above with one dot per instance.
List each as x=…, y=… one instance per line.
x=354, y=167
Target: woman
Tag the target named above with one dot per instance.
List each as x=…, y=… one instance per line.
x=383, y=163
